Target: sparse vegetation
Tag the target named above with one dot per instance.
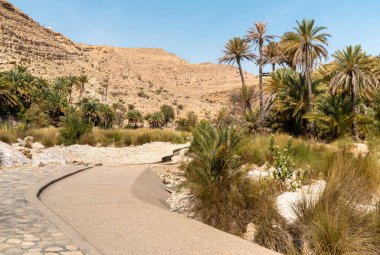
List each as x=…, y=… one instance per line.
x=169, y=114
x=188, y=123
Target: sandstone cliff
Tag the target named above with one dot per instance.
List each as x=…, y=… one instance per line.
x=146, y=78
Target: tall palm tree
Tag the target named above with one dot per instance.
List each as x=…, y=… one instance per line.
x=273, y=55
x=257, y=35
x=307, y=45
x=236, y=50
x=352, y=70
x=72, y=82
x=83, y=79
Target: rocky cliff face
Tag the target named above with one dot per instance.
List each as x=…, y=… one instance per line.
x=146, y=78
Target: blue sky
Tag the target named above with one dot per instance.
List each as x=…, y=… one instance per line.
x=196, y=30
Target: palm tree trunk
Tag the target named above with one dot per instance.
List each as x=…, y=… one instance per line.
x=71, y=92
x=309, y=84
x=261, y=76
x=354, y=110
x=273, y=67
x=309, y=92
x=81, y=94
x=246, y=97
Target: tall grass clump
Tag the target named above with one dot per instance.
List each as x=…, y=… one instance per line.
x=341, y=221
x=224, y=197
x=127, y=137
x=8, y=136
x=47, y=136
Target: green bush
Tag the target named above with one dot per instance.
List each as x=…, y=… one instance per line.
x=168, y=112
x=35, y=117
x=188, y=123
x=73, y=129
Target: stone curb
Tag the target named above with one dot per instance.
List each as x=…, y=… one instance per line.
x=32, y=196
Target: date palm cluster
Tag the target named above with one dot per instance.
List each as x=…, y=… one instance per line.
x=309, y=94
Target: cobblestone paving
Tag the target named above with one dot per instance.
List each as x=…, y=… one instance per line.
x=23, y=229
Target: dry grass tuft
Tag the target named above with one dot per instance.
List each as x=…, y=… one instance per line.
x=338, y=223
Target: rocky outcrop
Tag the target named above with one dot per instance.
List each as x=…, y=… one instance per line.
x=10, y=157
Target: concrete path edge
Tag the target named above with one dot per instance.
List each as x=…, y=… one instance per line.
x=32, y=196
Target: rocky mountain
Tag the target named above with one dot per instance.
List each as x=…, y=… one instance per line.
x=144, y=77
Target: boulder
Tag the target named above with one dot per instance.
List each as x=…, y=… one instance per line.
x=251, y=232
x=286, y=202
x=262, y=172
x=11, y=157
x=26, y=142
x=360, y=149
x=37, y=146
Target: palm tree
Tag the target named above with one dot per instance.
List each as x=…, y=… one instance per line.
x=83, y=79
x=257, y=35
x=290, y=105
x=106, y=116
x=307, y=45
x=273, y=54
x=90, y=112
x=333, y=116
x=156, y=119
x=55, y=104
x=352, y=70
x=60, y=85
x=236, y=50
x=22, y=84
x=134, y=118
x=7, y=99
x=72, y=81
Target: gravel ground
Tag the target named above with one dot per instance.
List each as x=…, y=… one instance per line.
x=147, y=153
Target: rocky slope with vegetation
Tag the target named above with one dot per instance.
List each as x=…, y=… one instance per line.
x=146, y=78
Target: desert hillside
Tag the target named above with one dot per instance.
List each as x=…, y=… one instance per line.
x=146, y=78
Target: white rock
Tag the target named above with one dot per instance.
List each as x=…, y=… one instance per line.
x=360, y=149
x=11, y=157
x=37, y=146
x=26, y=142
x=257, y=174
x=287, y=201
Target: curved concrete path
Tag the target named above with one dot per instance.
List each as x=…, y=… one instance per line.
x=122, y=210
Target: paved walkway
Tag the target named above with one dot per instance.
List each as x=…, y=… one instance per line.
x=23, y=229
x=122, y=210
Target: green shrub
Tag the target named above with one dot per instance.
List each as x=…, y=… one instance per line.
x=285, y=168
x=73, y=129
x=35, y=117
x=168, y=112
x=188, y=123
